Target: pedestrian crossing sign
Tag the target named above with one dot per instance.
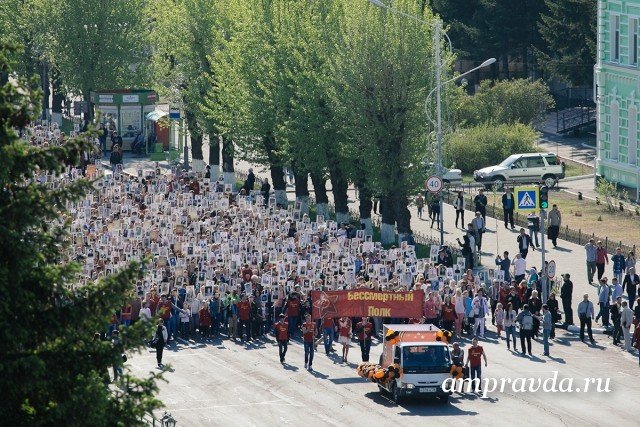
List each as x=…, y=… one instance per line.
x=527, y=199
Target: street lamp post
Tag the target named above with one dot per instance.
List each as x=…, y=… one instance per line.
x=438, y=89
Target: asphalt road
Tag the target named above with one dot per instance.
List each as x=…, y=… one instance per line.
x=227, y=383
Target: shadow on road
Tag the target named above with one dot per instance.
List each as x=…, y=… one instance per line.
x=425, y=407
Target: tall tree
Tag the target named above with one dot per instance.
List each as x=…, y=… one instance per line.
x=53, y=371
x=385, y=70
x=186, y=36
x=504, y=29
x=569, y=33
x=97, y=44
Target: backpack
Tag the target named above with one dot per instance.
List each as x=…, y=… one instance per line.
x=527, y=322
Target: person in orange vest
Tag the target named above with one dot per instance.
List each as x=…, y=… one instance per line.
x=309, y=330
x=282, y=336
x=364, y=329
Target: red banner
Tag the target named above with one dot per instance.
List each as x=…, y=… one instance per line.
x=367, y=303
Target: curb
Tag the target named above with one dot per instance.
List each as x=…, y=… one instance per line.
x=576, y=178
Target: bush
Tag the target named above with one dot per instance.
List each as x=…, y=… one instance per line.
x=485, y=145
x=506, y=102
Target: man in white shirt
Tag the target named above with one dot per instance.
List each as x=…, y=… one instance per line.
x=479, y=229
x=626, y=320
x=145, y=312
x=195, y=314
x=520, y=266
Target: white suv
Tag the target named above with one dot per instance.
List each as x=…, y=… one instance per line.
x=526, y=168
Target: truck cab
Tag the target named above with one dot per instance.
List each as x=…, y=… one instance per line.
x=425, y=362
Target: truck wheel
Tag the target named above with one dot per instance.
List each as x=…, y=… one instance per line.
x=395, y=394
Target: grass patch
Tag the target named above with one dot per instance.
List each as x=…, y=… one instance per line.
x=590, y=218
x=576, y=169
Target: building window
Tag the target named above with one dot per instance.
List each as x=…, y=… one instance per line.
x=633, y=41
x=615, y=135
x=633, y=135
x=615, y=38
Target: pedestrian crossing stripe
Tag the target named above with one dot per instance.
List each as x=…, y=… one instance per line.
x=526, y=199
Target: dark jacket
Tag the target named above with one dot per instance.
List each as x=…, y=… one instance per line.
x=508, y=204
x=566, y=291
x=631, y=284
x=527, y=241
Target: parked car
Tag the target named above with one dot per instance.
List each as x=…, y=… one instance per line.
x=450, y=176
x=524, y=168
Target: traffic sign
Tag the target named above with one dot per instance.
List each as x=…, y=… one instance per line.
x=174, y=113
x=433, y=184
x=526, y=199
x=551, y=269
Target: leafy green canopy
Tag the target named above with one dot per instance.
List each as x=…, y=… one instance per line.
x=506, y=102
x=488, y=144
x=52, y=371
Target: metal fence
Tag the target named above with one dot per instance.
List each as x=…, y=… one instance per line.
x=574, y=236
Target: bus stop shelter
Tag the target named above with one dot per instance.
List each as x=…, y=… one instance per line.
x=124, y=111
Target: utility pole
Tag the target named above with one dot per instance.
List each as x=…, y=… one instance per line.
x=543, y=273
x=436, y=42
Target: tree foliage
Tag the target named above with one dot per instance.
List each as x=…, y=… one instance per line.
x=506, y=102
x=569, y=33
x=52, y=370
x=488, y=144
x=96, y=44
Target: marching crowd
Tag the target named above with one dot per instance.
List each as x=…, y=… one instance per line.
x=239, y=266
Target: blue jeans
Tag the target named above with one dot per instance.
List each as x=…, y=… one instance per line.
x=327, y=336
x=545, y=340
x=215, y=323
x=476, y=372
x=292, y=325
x=510, y=331
x=167, y=323
x=173, y=331
x=308, y=353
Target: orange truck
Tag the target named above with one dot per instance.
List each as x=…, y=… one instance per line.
x=425, y=360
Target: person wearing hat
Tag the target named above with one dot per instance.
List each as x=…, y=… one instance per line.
x=282, y=336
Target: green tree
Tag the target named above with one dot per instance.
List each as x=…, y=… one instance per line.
x=384, y=72
x=569, y=33
x=488, y=144
x=505, y=102
x=252, y=91
x=503, y=29
x=96, y=44
x=53, y=371
x=186, y=36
